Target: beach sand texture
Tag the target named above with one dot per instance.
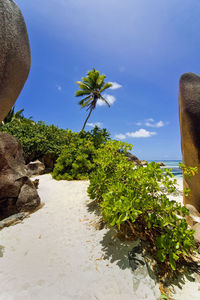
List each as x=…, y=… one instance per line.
x=57, y=253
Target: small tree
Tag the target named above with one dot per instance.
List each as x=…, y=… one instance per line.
x=92, y=86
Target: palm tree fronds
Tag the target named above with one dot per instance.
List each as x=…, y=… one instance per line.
x=102, y=98
x=86, y=103
x=88, y=82
x=82, y=93
x=100, y=80
x=107, y=85
x=81, y=102
x=91, y=86
x=83, y=86
x=93, y=75
x=19, y=114
x=9, y=116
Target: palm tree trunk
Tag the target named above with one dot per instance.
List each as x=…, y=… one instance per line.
x=87, y=118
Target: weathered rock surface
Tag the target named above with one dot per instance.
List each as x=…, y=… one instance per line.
x=28, y=198
x=189, y=114
x=17, y=192
x=35, y=168
x=132, y=158
x=16, y=218
x=194, y=215
x=36, y=183
x=14, y=55
x=196, y=229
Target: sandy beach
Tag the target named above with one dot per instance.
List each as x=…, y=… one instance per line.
x=57, y=253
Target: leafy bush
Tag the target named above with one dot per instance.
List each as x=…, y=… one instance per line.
x=38, y=139
x=137, y=197
x=189, y=172
x=75, y=161
x=112, y=167
x=96, y=135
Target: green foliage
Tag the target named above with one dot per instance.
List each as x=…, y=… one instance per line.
x=112, y=166
x=135, y=196
x=188, y=171
x=91, y=87
x=164, y=297
x=38, y=139
x=11, y=116
x=96, y=135
x=75, y=161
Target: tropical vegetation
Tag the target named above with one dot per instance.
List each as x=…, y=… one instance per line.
x=12, y=115
x=39, y=139
x=91, y=88
x=135, y=200
x=76, y=160
x=132, y=199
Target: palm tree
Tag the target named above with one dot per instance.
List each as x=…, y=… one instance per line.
x=92, y=86
x=13, y=116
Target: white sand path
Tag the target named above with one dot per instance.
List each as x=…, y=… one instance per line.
x=56, y=253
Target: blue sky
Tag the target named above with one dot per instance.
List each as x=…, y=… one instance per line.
x=142, y=46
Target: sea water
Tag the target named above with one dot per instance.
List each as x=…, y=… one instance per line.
x=173, y=165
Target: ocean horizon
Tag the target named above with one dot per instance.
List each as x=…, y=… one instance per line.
x=173, y=165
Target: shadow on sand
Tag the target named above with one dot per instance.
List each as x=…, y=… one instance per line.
x=125, y=254
x=128, y=255
x=121, y=253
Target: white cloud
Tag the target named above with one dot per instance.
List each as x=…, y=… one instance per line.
x=99, y=124
x=59, y=87
x=141, y=133
x=150, y=120
x=120, y=136
x=157, y=125
x=111, y=99
x=138, y=123
x=115, y=86
x=100, y=103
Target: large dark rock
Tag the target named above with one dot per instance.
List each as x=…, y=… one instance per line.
x=189, y=114
x=14, y=55
x=28, y=198
x=17, y=192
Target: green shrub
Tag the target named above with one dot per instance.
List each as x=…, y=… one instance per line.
x=75, y=161
x=138, y=196
x=96, y=135
x=112, y=166
x=39, y=139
